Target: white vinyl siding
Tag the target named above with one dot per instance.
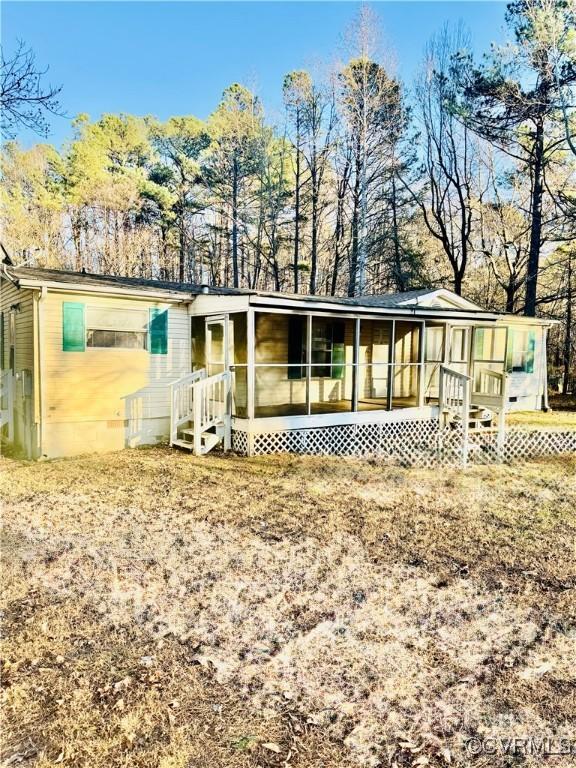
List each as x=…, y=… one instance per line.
x=107, y=383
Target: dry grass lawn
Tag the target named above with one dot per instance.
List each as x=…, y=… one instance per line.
x=164, y=611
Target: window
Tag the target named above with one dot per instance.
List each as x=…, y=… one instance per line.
x=490, y=344
x=116, y=328
x=328, y=357
x=296, y=346
x=489, y=354
x=459, y=349
x=520, y=352
x=121, y=339
x=434, y=344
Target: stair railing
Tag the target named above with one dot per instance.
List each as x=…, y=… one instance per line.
x=454, y=399
x=203, y=400
x=212, y=407
x=182, y=400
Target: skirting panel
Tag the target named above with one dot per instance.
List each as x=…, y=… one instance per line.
x=410, y=443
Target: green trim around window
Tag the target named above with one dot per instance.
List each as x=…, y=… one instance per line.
x=73, y=327
x=158, y=331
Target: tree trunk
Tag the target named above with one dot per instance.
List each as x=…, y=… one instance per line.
x=568, y=334
x=458, y=281
x=398, y=274
x=352, y=278
x=337, y=237
x=536, y=224
x=314, y=239
x=360, y=286
x=235, y=277
x=510, y=295
x=297, y=207
x=182, y=254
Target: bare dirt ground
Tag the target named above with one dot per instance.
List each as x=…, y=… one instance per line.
x=164, y=611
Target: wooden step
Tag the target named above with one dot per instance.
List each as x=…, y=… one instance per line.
x=208, y=440
x=186, y=444
x=219, y=430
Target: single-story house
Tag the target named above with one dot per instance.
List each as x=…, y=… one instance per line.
x=97, y=363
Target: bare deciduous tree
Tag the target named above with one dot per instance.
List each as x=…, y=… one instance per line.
x=450, y=156
x=24, y=99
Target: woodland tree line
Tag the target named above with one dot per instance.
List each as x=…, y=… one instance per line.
x=465, y=178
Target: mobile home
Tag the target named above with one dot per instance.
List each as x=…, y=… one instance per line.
x=97, y=363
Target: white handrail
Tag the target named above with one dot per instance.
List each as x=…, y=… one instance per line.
x=492, y=382
x=203, y=400
x=181, y=399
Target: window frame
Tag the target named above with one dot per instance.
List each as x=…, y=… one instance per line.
x=527, y=350
x=143, y=348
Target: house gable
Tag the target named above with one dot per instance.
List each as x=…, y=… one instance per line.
x=443, y=299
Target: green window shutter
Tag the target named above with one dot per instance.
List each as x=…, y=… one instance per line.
x=530, y=352
x=510, y=350
x=73, y=333
x=158, y=331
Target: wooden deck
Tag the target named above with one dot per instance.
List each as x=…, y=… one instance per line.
x=332, y=406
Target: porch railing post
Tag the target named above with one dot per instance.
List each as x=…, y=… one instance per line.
x=465, y=419
x=422, y=366
x=250, y=361
x=228, y=412
x=355, y=364
x=198, y=390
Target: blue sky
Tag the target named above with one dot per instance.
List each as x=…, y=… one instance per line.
x=176, y=58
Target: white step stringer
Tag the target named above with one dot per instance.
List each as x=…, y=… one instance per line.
x=200, y=412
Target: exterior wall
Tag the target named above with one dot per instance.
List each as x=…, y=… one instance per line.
x=107, y=399
x=25, y=428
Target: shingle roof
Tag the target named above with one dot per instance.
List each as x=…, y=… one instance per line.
x=387, y=300
x=88, y=278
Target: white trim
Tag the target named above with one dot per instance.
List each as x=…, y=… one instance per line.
x=281, y=423
x=240, y=302
x=305, y=306
x=152, y=295
x=250, y=360
x=441, y=293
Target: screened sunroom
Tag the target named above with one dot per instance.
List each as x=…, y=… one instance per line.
x=303, y=364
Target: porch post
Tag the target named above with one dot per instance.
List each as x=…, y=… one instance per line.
x=355, y=363
x=421, y=372
x=544, y=369
x=308, y=361
x=391, y=357
x=250, y=357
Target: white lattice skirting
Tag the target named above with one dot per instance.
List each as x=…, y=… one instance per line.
x=409, y=443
